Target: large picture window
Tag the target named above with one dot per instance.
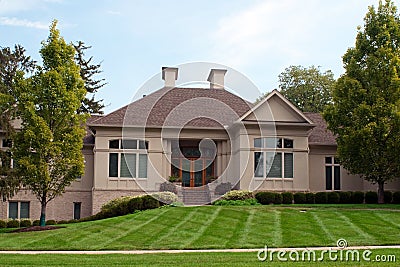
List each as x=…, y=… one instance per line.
x=18, y=210
x=128, y=158
x=275, y=158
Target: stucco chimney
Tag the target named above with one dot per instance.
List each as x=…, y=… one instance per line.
x=216, y=78
x=169, y=75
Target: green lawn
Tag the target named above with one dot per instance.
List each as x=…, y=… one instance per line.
x=221, y=227
x=183, y=259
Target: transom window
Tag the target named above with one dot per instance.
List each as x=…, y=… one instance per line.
x=124, y=164
x=275, y=158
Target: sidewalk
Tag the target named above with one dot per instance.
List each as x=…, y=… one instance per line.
x=101, y=252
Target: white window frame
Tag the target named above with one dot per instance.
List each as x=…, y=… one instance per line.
x=264, y=150
x=136, y=152
x=18, y=209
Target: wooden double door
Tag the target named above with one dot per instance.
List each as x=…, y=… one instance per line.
x=194, y=172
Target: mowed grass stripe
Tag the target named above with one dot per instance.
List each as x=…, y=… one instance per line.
x=246, y=229
x=347, y=220
x=262, y=228
x=386, y=218
x=278, y=228
x=323, y=227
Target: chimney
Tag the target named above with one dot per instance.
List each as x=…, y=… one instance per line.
x=216, y=78
x=169, y=75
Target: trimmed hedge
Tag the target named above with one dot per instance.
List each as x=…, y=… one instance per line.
x=265, y=198
x=3, y=224
x=25, y=223
x=388, y=196
x=287, y=198
x=299, y=198
x=278, y=198
x=238, y=195
x=36, y=223
x=396, y=197
x=51, y=222
x=135, y=204
x=333, y=198
x=345, y=197
x=13, y=224
x=245, y=202
x=321, y=198
x=357, y=197
x=310, y=198
x=371, y=197
x=165, y=198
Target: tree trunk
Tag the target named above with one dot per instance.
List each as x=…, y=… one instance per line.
x=381, y=194
x=43, y=213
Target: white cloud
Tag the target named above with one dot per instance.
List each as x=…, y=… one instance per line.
x=23, y=23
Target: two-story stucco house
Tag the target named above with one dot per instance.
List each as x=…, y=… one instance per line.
x=198, y=135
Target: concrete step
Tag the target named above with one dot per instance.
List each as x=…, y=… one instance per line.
x=195, y=196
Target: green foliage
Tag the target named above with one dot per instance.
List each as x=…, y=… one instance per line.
x=25, y=223
x=36, y=223
x=310, y=198
x=333, y=197
x=3, y=224
x=371, y=197
x=244, y=202
x=150, y=202
x=299, y=198
x=365, y=114
x=396, y=197
x=168, y=187
x=165, y=198
x=308, y=89
x=345, y=197
x=278, y=198
x=51, y=222
x=135, y=204
x=238, y=195
x=265, y=198
x=321, y=198
x=388, y=196
x=223, y=188
x=287, y=198
x=357, y=197
x=13, y=224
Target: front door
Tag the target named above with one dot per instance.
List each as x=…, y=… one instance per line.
x=194, y=171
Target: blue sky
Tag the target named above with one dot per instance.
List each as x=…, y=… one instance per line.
x=134, y=39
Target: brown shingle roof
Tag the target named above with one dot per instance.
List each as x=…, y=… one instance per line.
x=320, y=135
x=197, y=107
x=89, y=138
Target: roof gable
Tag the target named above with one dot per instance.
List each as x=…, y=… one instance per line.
x=275, y=107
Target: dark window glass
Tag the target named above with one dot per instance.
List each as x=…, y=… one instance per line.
x=328, y=177
x=113, y=165
x=143, y=144
x=113, y=144
x=328, y=160
x=77, y=210
x=337, y=178
x=13, y=210
x=128, y=165
x=24, y=210
x=288, y=165
x=129, y=144
x=258, y=164
x=142, y=165
x=175, y=168
x=257, y=142
x=274, y=161
x=287, y=143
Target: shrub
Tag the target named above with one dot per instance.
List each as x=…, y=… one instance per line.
x=333, y=197
x=223, y=188
x=116, y=207
x=238, y=195
x=25, y=223
x=287, y=198
x=165, y=198
x=168, y=187
x=357, y=197
x=310, y=198
x=396, y=197
x=371, y=197
x=63, y=222
x=278, y=198
x=135, y=204
x=50, y=222
x=345, y=197
x=36, y=223
x=3, y=224
x=388, y=196
x=177, y=204
x=13, y=224
x=73, y=221
x=150, y=202
x=299, y=198
x=265, y=198
x=321, y=198
x=245, y=202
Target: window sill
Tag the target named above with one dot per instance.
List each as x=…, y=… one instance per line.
x=272, y=179
x=125, y=179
